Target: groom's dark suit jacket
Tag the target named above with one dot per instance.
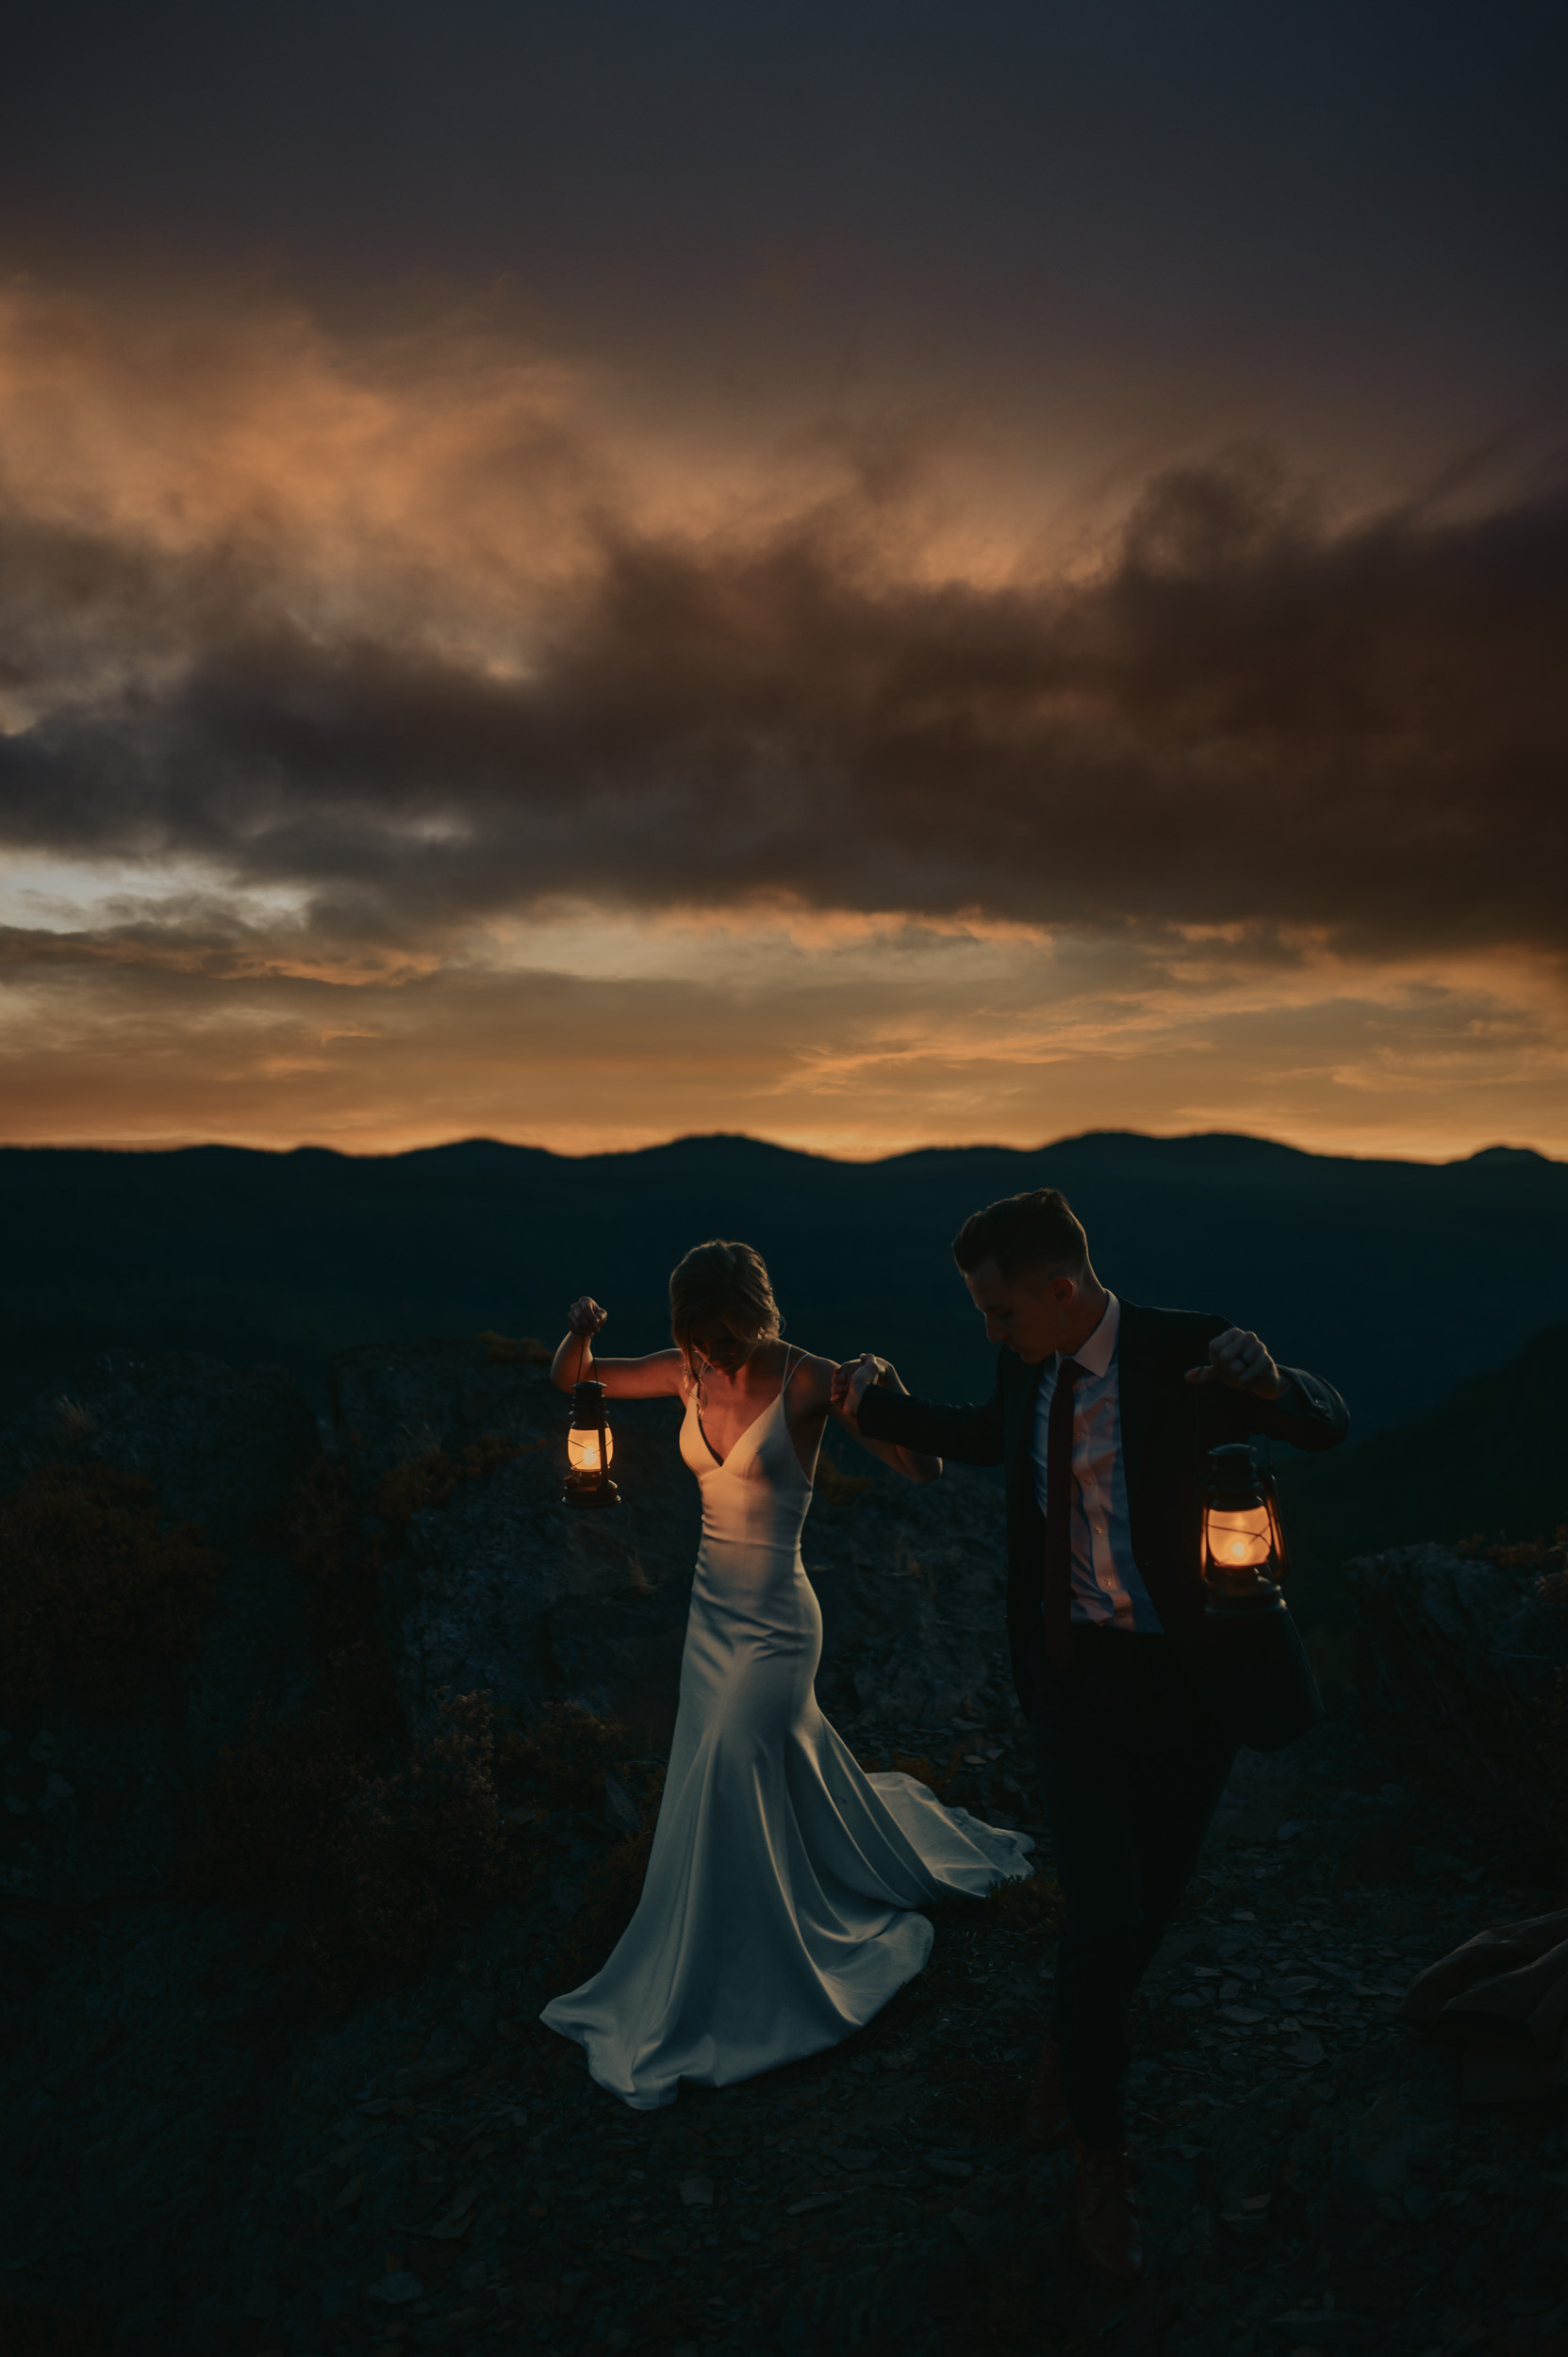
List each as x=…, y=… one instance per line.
x=1168, y=1426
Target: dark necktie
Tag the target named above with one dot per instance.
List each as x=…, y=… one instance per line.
x=1058, y=1590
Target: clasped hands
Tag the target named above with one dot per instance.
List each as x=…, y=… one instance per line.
x=854, y=1380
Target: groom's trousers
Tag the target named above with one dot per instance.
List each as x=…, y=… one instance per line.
x=1131, y=1769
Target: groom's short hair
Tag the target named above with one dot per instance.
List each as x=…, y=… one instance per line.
x=1036, y=1230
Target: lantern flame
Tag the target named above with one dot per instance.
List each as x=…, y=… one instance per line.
x=1241, y=1538
x=583, y=1449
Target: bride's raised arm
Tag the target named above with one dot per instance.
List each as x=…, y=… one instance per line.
x=623, y=1378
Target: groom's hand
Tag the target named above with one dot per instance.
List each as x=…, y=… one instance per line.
x=1238, y=1358
x=852, y=1381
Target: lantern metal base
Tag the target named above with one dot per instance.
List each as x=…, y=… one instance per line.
x=1258, y=1596
x=589, y=1489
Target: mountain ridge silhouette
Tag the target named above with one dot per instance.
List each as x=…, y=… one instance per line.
x=1393, y=1279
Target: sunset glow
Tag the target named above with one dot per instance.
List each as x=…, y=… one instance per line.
x=473, y=702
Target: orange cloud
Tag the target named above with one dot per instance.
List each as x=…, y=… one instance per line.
x=844, y=1051
x=344, y=681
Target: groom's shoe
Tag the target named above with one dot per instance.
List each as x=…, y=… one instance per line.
x=1046, y=2118
x=1106, y=2226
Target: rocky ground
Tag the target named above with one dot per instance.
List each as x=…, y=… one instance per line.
x=197, y=2161
x=1313, y=2177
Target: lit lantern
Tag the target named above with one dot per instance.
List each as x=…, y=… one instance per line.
x=1243, y=1539
x=590, y=1445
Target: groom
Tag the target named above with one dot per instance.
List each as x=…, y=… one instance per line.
x=1102, y=1414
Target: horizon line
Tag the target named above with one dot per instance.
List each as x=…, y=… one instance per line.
x=1497, y=1147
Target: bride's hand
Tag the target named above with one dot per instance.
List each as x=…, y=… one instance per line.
x=852, y=1381
x=585, y=1317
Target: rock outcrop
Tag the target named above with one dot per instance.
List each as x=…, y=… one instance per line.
x=499, y=1587
x=1464, y=1647
x=1504, y=1993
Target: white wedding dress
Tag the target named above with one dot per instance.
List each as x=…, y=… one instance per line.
x=778, y=1913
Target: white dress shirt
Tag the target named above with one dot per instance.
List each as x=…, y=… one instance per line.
x=1105, y=1581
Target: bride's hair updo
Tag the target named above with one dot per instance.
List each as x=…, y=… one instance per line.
x=726, y=1281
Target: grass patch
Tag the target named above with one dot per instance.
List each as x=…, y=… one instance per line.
x=96, y=1588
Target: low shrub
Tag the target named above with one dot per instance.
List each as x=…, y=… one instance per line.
x=566, y=1755
x=515, y=1350
x=1031, y=1908
x=1549, y=1556
x=430, y=1479
x=95, y=1587
x=361, y=1858
x=50, y=2331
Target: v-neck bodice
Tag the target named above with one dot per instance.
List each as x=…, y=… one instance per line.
x=745, y=1431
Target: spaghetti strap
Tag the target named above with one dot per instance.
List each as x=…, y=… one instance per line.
x=799, y=1351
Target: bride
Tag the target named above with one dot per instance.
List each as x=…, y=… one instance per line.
x=779, y=1911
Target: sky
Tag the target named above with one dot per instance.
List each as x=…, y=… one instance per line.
x=875, y=575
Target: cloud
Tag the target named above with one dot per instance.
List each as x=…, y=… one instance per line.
x=423, y=651
x=1244, y=715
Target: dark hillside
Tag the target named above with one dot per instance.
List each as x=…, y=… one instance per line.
x=281, y=1897
x=1491, y=1458
x=1354, y=1268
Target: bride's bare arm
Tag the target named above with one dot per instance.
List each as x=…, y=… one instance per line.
x=623, y=1378
x=912, y=1462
